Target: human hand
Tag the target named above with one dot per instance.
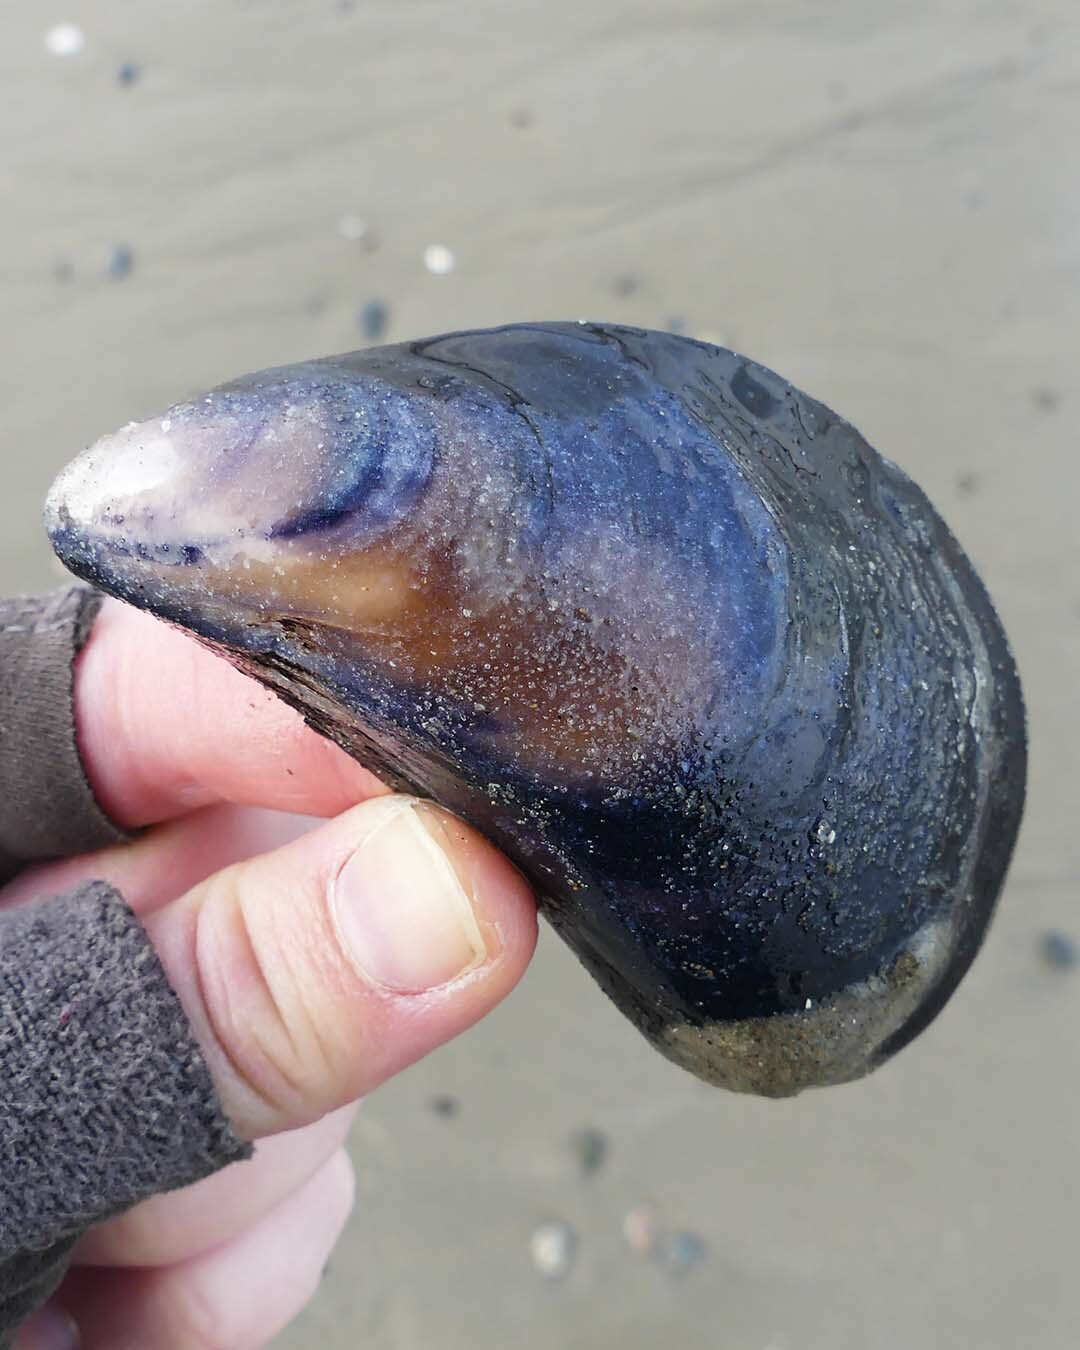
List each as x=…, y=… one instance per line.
x=310, y=973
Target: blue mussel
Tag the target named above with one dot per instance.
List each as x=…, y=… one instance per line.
x=712, y=671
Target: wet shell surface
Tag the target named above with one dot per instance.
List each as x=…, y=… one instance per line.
x=711, y=670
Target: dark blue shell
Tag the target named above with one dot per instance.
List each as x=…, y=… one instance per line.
x=713, y=672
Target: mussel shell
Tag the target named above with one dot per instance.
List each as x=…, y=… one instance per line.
x=711, y=670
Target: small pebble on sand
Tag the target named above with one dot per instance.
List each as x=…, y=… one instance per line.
x=1060, y=951
x=553, y=1246
x=1046, y=400
x=967, y=484
x=357, y=231
x=445, y=1105
x=641, y=1229
x=65, y=39
x=121, y=261
x=626, y=284
x=127, y=73
x=590, y=1147
x=680, y=1252
x=352, y=227
x=439, y=259
x=372, y=318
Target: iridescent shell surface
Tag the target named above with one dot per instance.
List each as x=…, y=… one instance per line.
x=711, y=671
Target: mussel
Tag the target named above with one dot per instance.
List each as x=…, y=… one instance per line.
x=712, y=671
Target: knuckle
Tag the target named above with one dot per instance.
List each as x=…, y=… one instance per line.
x=262, y=998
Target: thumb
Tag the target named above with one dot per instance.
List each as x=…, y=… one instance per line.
x=313, y=973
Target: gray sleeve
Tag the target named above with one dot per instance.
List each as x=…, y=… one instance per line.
x=47, y=809
x=104, y=1096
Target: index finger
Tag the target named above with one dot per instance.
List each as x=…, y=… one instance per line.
x=165, y=727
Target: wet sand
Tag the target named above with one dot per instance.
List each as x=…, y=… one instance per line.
x=879, y=202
